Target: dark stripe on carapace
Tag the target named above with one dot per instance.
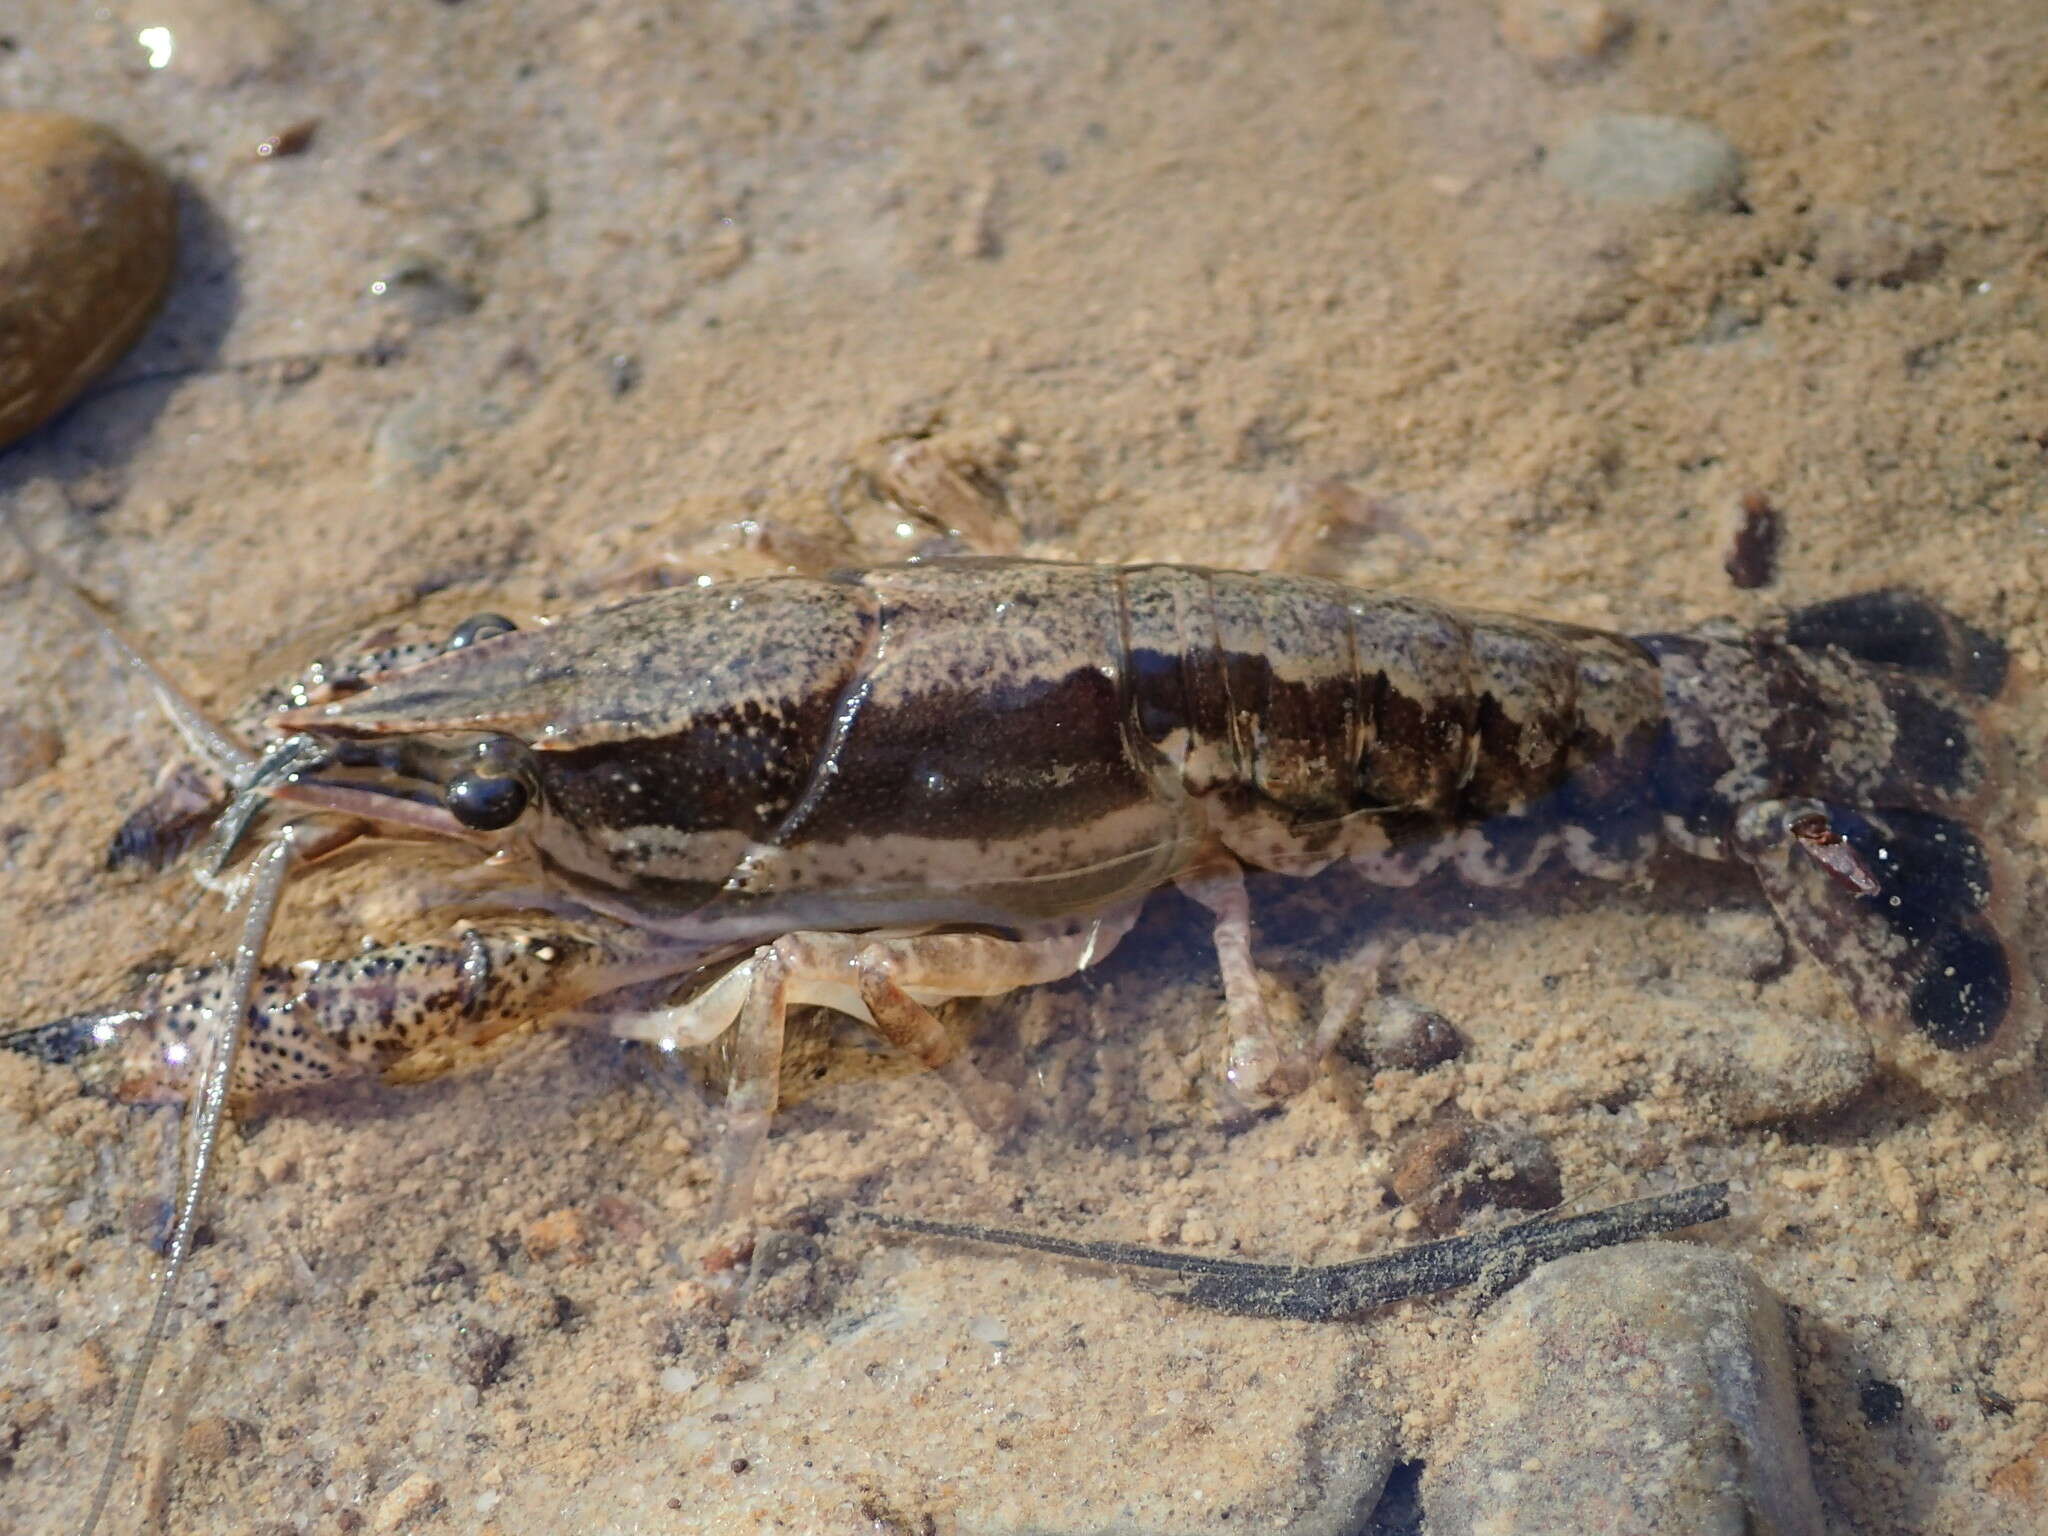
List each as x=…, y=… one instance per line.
x=986, y=763
x=978, y=764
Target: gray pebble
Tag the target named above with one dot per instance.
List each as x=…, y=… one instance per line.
x=1646, y=1389
x=1670, y=161
x=1759, y=1066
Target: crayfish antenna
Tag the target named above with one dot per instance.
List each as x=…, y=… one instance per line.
x=217, y=747
x=265, y=885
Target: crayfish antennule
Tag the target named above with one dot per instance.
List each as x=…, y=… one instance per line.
x=74, y=1039
x=100, y=1046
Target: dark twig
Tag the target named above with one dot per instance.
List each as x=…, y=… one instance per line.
x=1331, y=1292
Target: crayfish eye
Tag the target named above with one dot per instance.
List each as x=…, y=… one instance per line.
x=481, y=626
x=485, y=804
x=493, y=793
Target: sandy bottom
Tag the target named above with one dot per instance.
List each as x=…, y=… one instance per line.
x=1161, y=269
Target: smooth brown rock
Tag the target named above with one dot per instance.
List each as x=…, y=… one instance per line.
x=1556, y=34
x=1395, y=1032
x=1455, y=1167
x=87, y=240
x=1760, y=1066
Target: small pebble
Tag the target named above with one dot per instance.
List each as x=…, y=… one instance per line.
x=1562, y=34
x=94, y=1368
x=622, y=372
x=1393, y=1032
x=1667, y=161
x=417, y=1495
x=88, y=235
x=979, y=234
x=214, y=1439
x=2024, y=1479
x=1881, y=1402
x=29, y=746
x=561, y=1231
x=1647, y=1389
x=720, y=254
x=1456, y=1166
x=480, y=1355
x=1753, y=550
